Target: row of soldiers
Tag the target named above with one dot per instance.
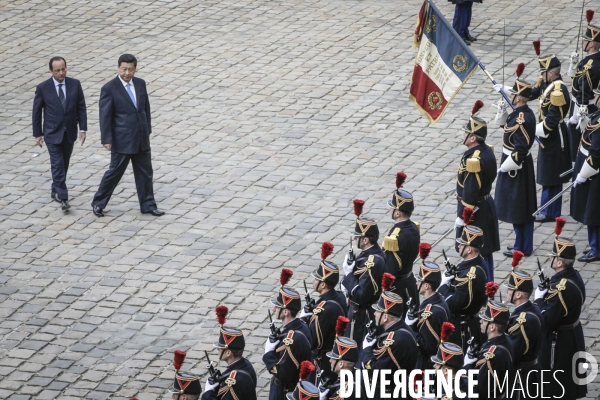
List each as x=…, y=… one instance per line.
x=385, y=316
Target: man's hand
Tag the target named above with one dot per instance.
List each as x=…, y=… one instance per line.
x=208, y=386
x=107, y=146
x=501, y=170
x=368, y=343
x=459, y=222
x=270, y=346
x=347, y=267
x=305, y=313
x=82, y=137
x=410, y=321
x=468, y=360
x=539, y=293
x=579, y=180
x=39, y=140
x=446, y=279
x=323, y=395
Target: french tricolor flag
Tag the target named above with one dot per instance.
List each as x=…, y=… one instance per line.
x=443, y=65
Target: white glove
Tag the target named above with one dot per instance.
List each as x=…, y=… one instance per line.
x=498, y=87
x=208, y=386
x=501, y=170
x=304, y=313
x=446, y=279
x=579, y=180
x=410, y=321
x=459, y=222
x=366, y=343
x=468, y=360
x=270, y=346
x=575, y=117
x=539, y=294
x=347, y=267
x=323, y=395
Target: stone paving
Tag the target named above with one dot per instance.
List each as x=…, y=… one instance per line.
x=269, y=117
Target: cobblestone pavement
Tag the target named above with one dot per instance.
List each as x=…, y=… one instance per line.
x=269, y=118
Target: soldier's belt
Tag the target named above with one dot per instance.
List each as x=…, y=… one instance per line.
x=529, y=364
x=482, y=198
x=278, y=383
x=568, y=327
x=583, y=151
x=467, y=317
x=509, y=153
x=405, y=276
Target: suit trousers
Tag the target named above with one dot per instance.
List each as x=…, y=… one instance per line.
x=554, y=210
x=594, y=239
x=60, y=155
x=574, y=140
x=489, y=262
x=462, y=18
x=142, y=173
x=524, y=237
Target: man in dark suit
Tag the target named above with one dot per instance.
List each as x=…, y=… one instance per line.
x=63, y=105
x=125, y=130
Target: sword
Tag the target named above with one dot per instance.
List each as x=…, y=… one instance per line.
x=567, y=173
x=442, y=237
x=552, y=200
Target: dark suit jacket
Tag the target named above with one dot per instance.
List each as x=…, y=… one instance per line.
x=55, y=118
x=121, y=124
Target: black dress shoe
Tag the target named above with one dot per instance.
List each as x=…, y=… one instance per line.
x=510, y=248
x=467, y=42
x=589, y=257
x=471, y=38
x=542, y=218
x=508, y=253
x=65, y=205
x=586, y=251
x=98, y=212
x=156, y=212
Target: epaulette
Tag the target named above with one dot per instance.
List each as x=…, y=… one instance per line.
x=557, y=97
x=418, y=224
x=491, y=147
x=488, y=355
x=320, y=307
x=473, y=163
x=390, y=243
x=230, y=381
x=538, y=83
x=521, y=118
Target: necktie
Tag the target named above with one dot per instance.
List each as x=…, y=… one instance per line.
x=131, y=94
x=61, y=96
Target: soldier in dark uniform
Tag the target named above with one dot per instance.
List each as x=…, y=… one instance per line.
x=401, y=245
x=585, y=195
x=561, y=307
x=395, y=346
x=304, y=390
x=587, y=78
x=515, y=189
x=328, y=307
x=238, y=381
x=474, y=179
x=186, y=386
x=463, y=286
x=433, y=311
x=495, y=355
x=285, y=350
x=554, y=156
x=363, y=275
x=343, y=356
x=525, y=331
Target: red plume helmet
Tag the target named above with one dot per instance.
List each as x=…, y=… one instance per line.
x=418, y=378
x=517, y=257
x=447, y=330
x=387, y=281
x=178, y=359
x=490, y=289
x=326, y=250
x=520, y=69
x=478, y=105
x=341, y=325
x=358, y=207
x=400, y=178
x=589, y=15
x=222, y=312
x=285, y=276
x=468, y=215
x=306, y=368
x=424, y=249
x=536, y=47
x=560, y=224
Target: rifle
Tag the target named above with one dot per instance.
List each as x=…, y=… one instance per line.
x=473, y=351
x=351, y=257
x=371, y=330
x=544, y=282
x=412, y=308
x=310, y=303
x=451, y=269
x=275, y=332
x=214, y=374
x=323, y=383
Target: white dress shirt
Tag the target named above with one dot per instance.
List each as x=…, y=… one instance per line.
x=131, y=87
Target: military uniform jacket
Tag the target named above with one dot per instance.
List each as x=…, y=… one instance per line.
x=330, y=306
x=496, y=356
x=239, y=383
x=284, y=362
x=394, y=349
x=400, y=256
x=587, y=77
x=561, y=307
x=515, y=191
x=363, y=287
x=465, y=296
x=474, y=180
x=433, y=312
x=525, y=334
x=585, y=197
x=334, y=390
x=554, y=155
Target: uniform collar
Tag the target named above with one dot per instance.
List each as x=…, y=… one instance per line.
x=528, y=305
x=433, y=299
x=566, y=273
x=328, y=296
x=470, y=263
